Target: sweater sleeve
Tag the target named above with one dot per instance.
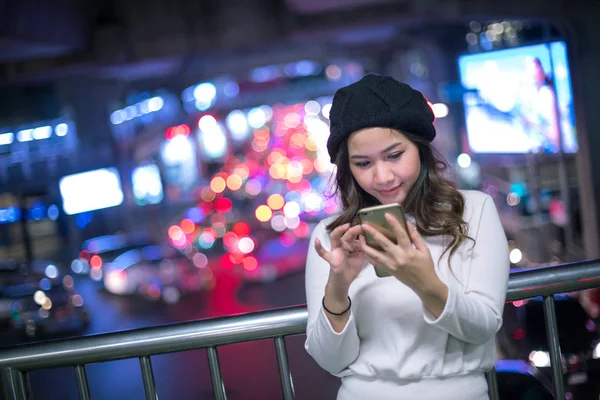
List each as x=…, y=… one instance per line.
x=473, y=314
x=333, y=351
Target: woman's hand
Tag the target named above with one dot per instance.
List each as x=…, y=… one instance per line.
x=411, y=265
x=345, y=259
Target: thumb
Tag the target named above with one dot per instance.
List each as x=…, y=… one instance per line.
x=324, y=254
x=416, y=238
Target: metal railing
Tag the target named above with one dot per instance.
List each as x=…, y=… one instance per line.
x=16, y=362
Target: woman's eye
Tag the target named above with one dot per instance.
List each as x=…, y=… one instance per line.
x=362, y=164
x=395, y=155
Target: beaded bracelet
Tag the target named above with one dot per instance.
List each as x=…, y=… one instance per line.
x=338, y=314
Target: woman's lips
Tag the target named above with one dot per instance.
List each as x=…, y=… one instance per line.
x=390, y=192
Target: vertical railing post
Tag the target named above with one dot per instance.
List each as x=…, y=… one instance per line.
x=15, y=384
x=285, y=373
x=554, y=347
x=148, y=377
x=82, y=382
x=215, y=374
x=492, y=378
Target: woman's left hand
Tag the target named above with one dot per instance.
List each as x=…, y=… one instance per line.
x=411, y=265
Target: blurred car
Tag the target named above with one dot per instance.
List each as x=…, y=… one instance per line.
x=100, y=250
x=38, y=303
x=276, y=255
x=155, y=272
x=518, y=380
x=523, y=336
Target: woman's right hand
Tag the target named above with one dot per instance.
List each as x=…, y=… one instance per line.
x=345, y=259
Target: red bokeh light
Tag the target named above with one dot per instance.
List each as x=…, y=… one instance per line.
x=223, y=205
x=226, y=262
x=207, y=207
x=179, y=130
x=519, y=334
x=302, y=230
x=84, y=255
x=230, y=240
x=236, y=257
x=241, y=229
x=287, y=239
x=187, y=226
x=250, y=263
x=96, y=261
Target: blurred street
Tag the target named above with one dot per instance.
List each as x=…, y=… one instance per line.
x=185, y=375
x=167, y=161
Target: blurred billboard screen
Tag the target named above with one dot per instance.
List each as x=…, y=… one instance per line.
x=519, y=100
x=91, y=190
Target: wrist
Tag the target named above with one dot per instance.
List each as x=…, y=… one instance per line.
x=336, y=307
x=336, y=293
x=434, y=296
x=338, y=312
x=431, y=287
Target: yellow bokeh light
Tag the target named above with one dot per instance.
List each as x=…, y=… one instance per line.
x=273, y=157
x=218, y=184
x=294, y=178
x=261, y=134
x=242, y=171
x=298, y=140
x=259, y=148
x=310, y=144
x=321, y=165
x=47, y=304
x=207, y=194
x=307, y=166
x=292, y=120
x=234, y=182
x=263, y=213
x=275, y=201
x=294, y=168
x=277, y=171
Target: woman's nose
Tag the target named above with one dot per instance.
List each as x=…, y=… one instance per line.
x=383, y=174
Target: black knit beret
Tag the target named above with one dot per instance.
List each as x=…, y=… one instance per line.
x=378, y=101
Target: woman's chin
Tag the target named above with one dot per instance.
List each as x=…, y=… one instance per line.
x=398, y=199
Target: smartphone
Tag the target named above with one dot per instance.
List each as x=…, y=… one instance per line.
x=375, y=216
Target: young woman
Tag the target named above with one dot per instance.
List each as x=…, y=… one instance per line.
x=427, y=331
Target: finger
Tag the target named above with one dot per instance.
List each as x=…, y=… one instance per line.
x=352, y=232
x=378, y=237
x=347, y=246
x=374, y=256
x=336, y=235
x=399, y=230
x=350, y=238
x=417, y=239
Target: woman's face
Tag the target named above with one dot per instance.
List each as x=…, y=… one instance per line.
x=536, y=71
x=384, y=162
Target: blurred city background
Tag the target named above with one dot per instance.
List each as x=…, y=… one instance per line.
x=165, y=161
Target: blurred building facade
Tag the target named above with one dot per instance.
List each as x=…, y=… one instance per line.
x=78, y=66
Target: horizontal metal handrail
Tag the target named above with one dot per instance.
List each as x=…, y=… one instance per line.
x=277, y=324
x=252, y=326
x=156, y=340
x=546, y=281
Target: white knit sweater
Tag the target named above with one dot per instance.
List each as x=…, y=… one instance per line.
x=391, y=344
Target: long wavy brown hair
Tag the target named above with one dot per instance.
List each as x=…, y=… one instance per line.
x=434, y=200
